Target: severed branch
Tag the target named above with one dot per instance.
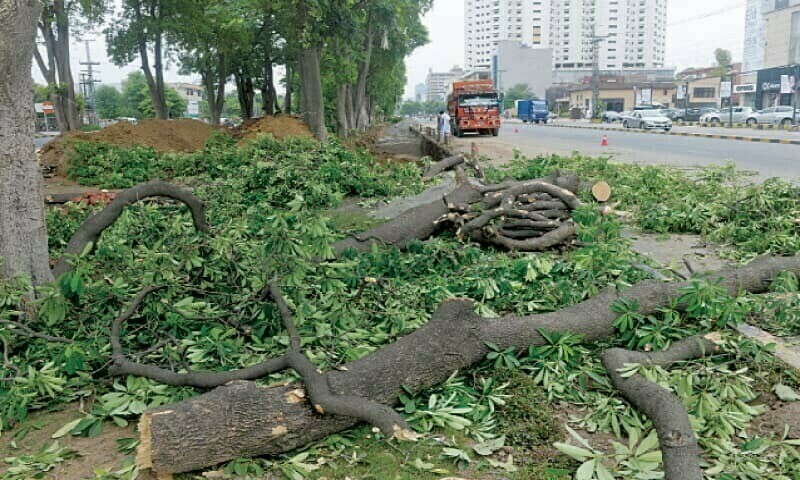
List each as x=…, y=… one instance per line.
x=22, y=329
x=681, y=455
x=90, y=230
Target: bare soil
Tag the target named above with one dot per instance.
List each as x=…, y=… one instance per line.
x=280, y=127
x=777, y=418
x=97, y=452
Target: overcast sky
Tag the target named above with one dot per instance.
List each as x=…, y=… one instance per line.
x=695, y=29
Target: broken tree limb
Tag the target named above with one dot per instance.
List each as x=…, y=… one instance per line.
x=442, y=166
x=240, y=419
x=676, y=437
x=550, y=239
x=90, y=230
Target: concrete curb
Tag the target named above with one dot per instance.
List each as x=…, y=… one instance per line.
x=686, y=134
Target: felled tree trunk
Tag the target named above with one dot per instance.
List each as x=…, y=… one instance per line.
x=240, y=419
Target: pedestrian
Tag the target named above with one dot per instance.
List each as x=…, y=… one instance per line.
x=445, y=125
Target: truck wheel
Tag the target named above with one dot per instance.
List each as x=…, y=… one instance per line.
x=495, y=131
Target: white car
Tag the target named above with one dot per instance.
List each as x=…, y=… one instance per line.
x=648, y=120
x=783, y=115
x=740, y=115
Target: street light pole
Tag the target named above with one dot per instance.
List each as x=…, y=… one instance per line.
x=730, y=101
x=686, y=101
x=796, y=88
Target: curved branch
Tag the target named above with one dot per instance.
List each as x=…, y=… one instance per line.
x=537, y=244
x=22, y=329
x=122, y=365
x=91, y=229
x=681, y=455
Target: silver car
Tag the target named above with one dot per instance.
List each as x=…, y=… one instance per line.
x=782, y=115
x=740, y=115
x=648, y=119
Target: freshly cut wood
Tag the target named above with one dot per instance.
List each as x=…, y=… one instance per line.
x=601, y=191
x=240, y=419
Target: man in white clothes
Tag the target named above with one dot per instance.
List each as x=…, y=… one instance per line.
x=444, y=124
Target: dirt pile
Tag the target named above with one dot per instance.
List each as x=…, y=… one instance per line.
x=280, y=127
x=182, y=135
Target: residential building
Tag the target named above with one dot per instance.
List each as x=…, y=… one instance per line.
x=516, y=63
x=437, y=83
x=193, y=94
x=633, y=32
x=704, y=85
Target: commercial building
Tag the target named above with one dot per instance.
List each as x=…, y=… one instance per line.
x=617, y=95
x=437, y=83
x=632, y=32
x=755, y=33
x=782, y=26
x=515, y=63
x=704, y=86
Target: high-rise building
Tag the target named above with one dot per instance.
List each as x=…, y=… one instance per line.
x=634, y=31
x=437, y=83
x=755, y=36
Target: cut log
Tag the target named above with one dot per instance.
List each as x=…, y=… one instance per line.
x=601, y=191
x=240, y=419
x=442, y=166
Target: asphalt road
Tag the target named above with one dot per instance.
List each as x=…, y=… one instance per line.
x=768, y=160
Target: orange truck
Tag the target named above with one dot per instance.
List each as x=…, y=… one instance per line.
x=474, y=106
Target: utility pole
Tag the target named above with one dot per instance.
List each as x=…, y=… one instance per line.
x=595, y=40
x=87, y=82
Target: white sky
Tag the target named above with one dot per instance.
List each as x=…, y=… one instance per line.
x=695, y=29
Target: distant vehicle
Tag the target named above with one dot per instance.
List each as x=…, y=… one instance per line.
x=127, y=119
x=474, y=106
x=648, y=120
x=673, y=113
x=610, y=116
x=648, y=106
x=533, y=111
x=740, y=115
x=692, y=114
x=782, y=115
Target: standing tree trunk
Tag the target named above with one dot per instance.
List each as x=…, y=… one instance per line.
x=311, y=91
x=66, y=82
x=215, y=94
x=351, y=109
x=360, y=107
x=23, y=235
x=156, y=87
x=269, y=97
x=341, y=110
x=287, y=98
x=160, y=104
x=245, y=91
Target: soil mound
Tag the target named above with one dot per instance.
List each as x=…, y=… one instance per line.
x=181, y=135
x=280, y=127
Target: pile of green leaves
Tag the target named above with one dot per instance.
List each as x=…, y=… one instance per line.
x=267, y=211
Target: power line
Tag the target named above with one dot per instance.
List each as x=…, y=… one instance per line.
x=712, y=13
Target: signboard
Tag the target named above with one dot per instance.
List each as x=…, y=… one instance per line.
x=680, y=93
x=787, y=83
x=725, y=89
x=38, y=108
x=47, y=108
x=647, y=96
x=745, y=88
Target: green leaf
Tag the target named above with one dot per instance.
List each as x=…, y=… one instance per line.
x=585, y=471
x=66, y=428
x=578, y=453
x=786, y=394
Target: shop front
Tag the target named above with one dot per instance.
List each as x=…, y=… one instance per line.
x=776, y=86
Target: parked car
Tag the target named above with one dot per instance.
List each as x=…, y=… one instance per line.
x=672, y=113
x=740, y=115
x=648, y=120
x=693, y=114
x=783, y=115
x=610, y=116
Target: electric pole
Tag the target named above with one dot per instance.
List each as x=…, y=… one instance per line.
x=595, y=40
x=87, y=82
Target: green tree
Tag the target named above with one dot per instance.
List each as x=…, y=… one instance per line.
x=109, y=102
x=134, y=91
x=723, y=59
x=41, y=93
x=176, y=105
x=520, y=91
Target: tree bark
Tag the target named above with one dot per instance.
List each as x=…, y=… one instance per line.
x=362, y=118
x=240, y=419
x=287, y=98
x=154, y=85
x=66, y=81
x=311, y=91
x=245, y=92
x=23, y=235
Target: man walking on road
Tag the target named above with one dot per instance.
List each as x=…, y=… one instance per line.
x=444, y=125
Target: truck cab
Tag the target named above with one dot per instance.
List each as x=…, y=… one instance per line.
x=533, y=111
x=474, y=106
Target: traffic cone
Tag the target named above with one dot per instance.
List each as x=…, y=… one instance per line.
x=604, y=143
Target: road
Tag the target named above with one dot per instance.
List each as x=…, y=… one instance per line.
x=768, y=160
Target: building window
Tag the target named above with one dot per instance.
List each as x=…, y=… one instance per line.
x=705, y=92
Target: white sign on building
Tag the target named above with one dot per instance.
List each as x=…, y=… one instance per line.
x=725, y=89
